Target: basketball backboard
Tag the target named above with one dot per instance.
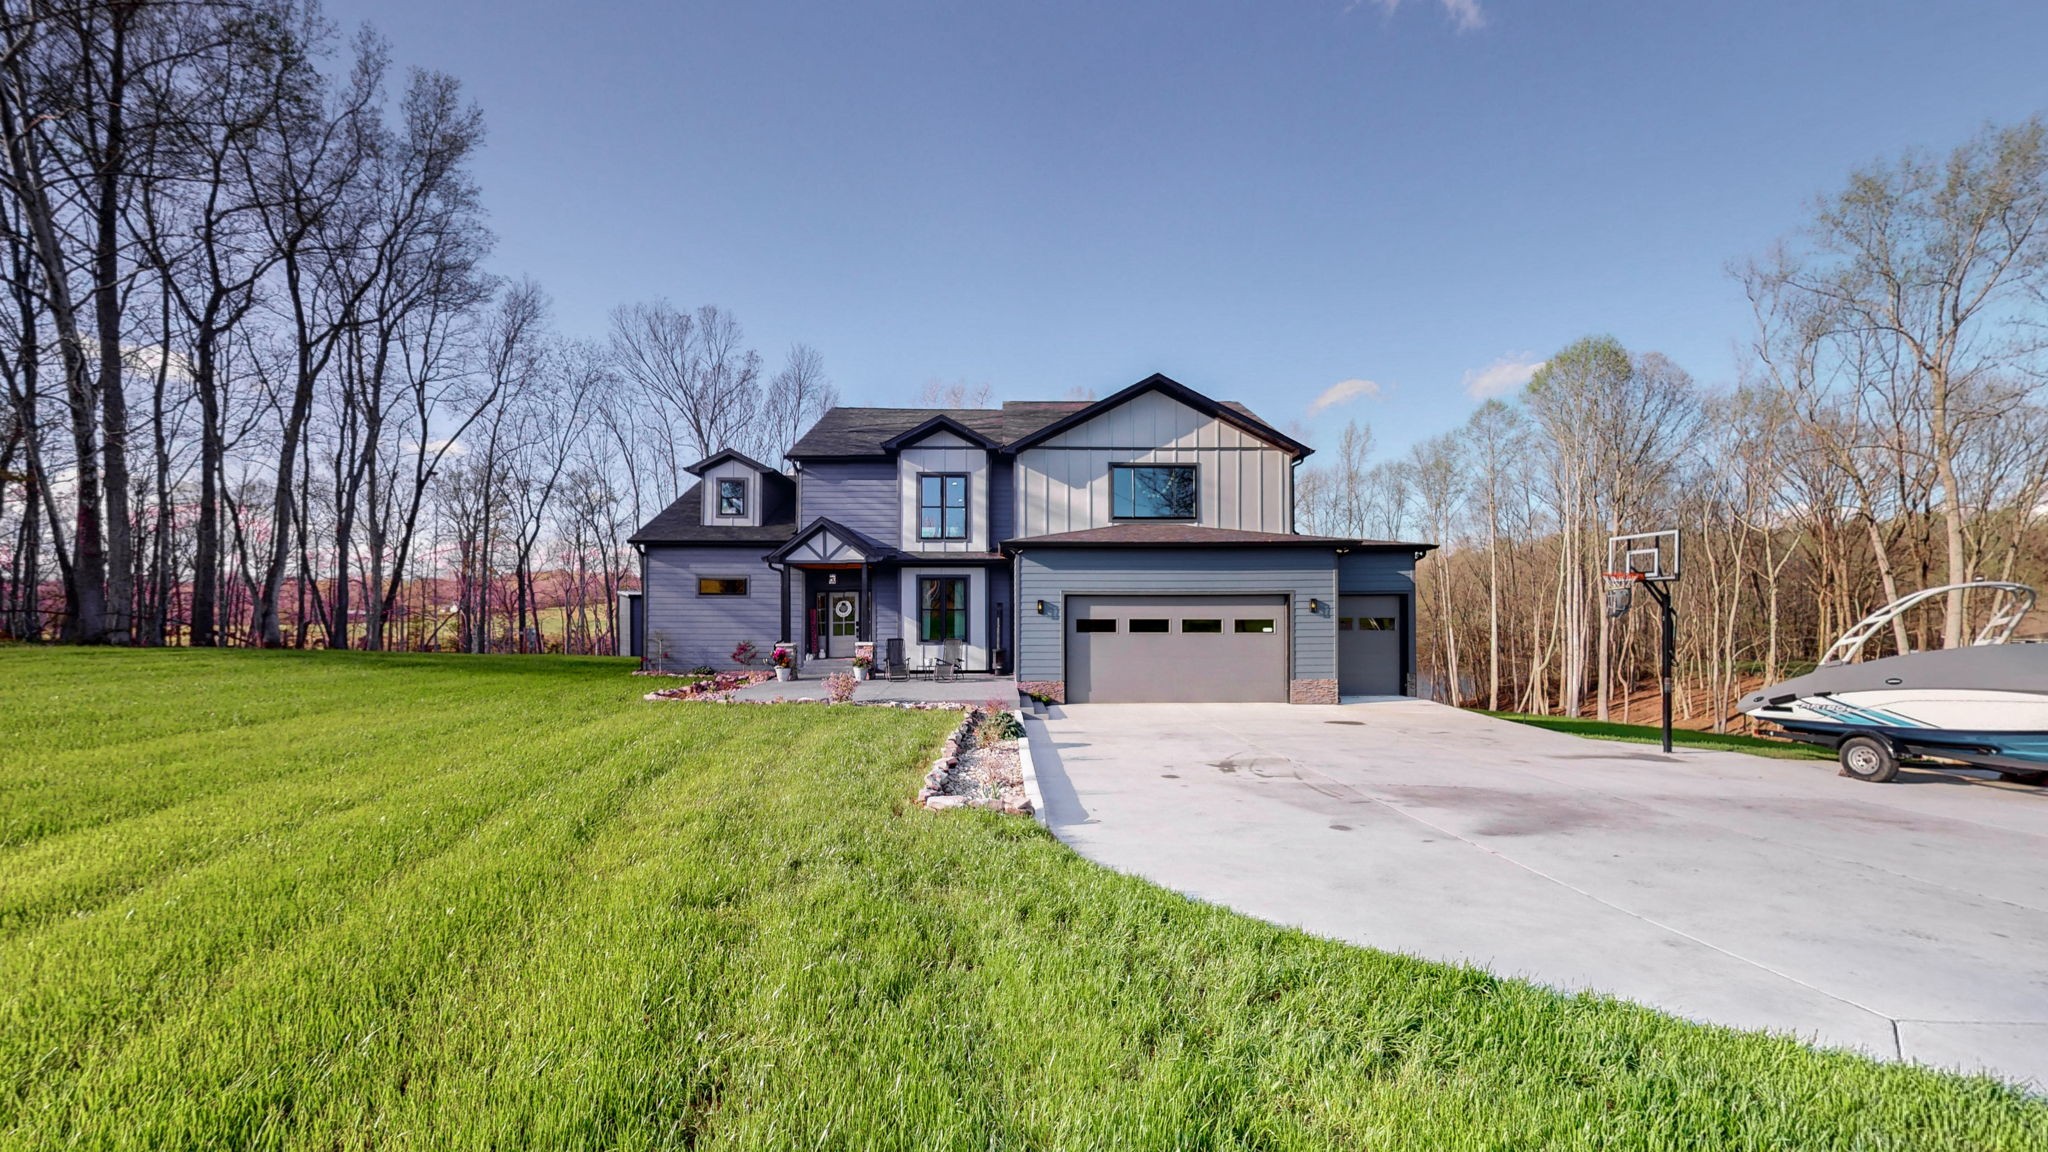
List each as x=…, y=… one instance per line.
x=1650, y=556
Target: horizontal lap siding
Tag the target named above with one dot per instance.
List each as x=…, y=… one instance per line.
x=1376, y=572
x=703, y=630
x=1050, y=574
x=861, y=495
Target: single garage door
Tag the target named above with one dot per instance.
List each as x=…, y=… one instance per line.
x=1160, y=649
x=1369, y=645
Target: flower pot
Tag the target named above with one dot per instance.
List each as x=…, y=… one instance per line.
x=860, y=673
x=784, y=673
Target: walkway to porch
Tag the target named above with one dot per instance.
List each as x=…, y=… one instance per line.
x=967, y=688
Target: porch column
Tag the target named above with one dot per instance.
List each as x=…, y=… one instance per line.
x=866, y=629
x=785, y=604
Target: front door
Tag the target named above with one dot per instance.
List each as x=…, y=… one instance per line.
x=842, y=624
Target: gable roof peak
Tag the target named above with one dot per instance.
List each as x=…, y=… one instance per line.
x=724, y=454
x=1236, y=415
x=943, y=422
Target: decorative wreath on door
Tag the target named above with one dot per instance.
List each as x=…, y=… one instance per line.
x=843, y=609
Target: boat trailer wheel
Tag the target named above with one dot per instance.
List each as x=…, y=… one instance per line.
x=1868, y=759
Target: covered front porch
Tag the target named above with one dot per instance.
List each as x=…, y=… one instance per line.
x=846, y=595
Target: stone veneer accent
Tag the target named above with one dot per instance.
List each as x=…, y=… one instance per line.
x=1311, y=691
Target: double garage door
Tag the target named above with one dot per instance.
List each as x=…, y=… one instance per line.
x=1225, y=649
x=1157, y=649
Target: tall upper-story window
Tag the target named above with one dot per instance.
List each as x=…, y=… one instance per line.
x=941, y=506
x=1152, y=491
x=732, y=497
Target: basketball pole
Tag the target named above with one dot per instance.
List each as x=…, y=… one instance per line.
x=1670, y=650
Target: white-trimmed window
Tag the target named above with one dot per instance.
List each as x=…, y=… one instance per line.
x=732, y=497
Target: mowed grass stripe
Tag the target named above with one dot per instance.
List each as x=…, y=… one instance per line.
x=82, y=870
x=405, y=1076
x=341, y=994
x=83, y=983
x=56, y=792
x=114, y=698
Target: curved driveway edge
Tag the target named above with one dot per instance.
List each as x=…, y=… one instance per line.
x=1907, y=920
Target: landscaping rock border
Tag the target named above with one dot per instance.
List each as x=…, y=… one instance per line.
x=935, y=794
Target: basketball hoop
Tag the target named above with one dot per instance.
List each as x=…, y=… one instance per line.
x=1621, y=589
x=1650, y=559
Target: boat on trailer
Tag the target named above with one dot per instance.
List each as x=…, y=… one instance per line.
x=1985, y=705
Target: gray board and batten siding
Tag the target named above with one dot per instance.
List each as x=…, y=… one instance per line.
x=1242, y=481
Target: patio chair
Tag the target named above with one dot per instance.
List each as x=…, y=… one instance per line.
x=892, y=659
x=948, y=666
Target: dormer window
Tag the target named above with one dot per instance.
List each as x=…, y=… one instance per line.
x=941, y=506
x=732, y=497
x=1152, y=491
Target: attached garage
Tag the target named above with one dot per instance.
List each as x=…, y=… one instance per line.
x=1370, y=645
x=1177, y=648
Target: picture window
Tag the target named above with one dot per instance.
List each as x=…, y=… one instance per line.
x=1152, y=491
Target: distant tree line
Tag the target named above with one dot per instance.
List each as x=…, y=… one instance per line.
x=260, y=388
x=1888, y=433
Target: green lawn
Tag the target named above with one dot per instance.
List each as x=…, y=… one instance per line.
x=333, y=900
x=1680, y=737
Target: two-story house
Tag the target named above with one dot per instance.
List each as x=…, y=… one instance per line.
x=1136, y=548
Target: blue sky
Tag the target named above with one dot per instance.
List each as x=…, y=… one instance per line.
x=1262, y=200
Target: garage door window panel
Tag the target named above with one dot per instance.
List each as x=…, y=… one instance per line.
x=1258, y=626
x=1211, y=627
x=1094, y=625
x=1151, y=624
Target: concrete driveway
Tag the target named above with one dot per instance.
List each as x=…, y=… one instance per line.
x=1906, y=920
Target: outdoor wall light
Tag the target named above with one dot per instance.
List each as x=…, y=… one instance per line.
x=1315, y=606
x=1041, y=607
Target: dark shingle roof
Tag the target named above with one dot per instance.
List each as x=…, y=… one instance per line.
x=1194, y=536
x=682, y=521
x=865, y=432
x=843, y=432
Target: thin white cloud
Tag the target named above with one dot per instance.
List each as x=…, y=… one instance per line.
x=1466, y=15
x=1508, y=374
x=1343, y=392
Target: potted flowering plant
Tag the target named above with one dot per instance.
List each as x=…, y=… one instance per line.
x=785, y=664
x=861, y=665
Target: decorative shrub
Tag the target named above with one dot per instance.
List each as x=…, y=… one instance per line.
x=839, y=687
x=744, y=653
x=996, y=726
